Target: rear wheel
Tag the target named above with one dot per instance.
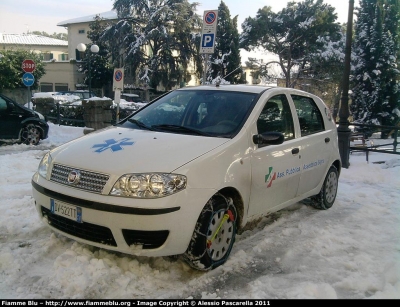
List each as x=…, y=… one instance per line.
x=214, y=235
x=30, y=134
x=326, y=197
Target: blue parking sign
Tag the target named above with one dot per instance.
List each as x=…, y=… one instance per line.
x=207, y=40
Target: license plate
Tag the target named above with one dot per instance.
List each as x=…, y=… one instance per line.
x=68, y=211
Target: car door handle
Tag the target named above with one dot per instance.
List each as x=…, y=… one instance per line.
x=295, y=151
x=327, y=140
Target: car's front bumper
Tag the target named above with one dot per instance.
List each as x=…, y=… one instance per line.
x=143, y=227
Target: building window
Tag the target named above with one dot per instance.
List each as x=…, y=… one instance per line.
x=82, y=31
x=63, y=57
x=46, y=56
x=46, y=87
x=59, y=87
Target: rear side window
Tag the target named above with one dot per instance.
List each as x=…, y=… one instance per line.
x=3, y=104
x=276, y=117
x=310, y=118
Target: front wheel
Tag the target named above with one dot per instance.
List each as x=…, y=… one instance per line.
x=214, y=235
x=30, y=135
x=326, y=197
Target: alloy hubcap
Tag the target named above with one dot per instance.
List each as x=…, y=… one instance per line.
x=331, y=187
x=219, y=235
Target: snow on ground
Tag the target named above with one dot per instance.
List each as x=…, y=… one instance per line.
x=351, y=251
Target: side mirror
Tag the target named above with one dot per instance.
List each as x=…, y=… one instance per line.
x=269, y=138
x=11, y=107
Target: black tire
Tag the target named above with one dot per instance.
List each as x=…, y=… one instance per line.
x=326, y=197
x=212, y=241
x=30, y=135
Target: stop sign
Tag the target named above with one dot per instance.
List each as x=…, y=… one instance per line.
x=28, y=65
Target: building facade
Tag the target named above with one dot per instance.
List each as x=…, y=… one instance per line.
x=54, y=53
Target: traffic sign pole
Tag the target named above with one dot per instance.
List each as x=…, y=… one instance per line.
x=29, y=97
x=28, y=79
x=208, y=34
x=118, y=85
x=28, y=66
x=206, y=60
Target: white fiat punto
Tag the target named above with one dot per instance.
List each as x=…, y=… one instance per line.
x=184, y=174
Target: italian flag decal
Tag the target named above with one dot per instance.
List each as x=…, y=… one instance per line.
x=270, y=177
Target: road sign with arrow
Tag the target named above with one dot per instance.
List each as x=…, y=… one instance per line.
x=28, y=79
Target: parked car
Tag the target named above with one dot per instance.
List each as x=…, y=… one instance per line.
x=19, y=124
x=131, y=97
x=82, y=94
x=185, y=173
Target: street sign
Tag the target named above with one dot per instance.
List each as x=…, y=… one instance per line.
x=28, y=65
x=118, y=81
x=209, y=31
x=28, y=79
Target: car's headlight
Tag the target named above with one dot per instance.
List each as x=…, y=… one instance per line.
x=44, y=165
x=148, y=185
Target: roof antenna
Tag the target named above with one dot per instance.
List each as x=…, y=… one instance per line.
x=218, y=81
x=231, y=72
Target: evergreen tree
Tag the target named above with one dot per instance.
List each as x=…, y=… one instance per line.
x=375, y=93
x=390, y=112
x=156, y=38
x=101, y=69
x=226, y=62
x=291, y=34
x=326, y=69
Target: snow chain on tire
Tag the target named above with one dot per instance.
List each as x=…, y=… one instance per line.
x=198, y=253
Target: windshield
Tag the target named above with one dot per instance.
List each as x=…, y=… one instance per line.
x=199, y=112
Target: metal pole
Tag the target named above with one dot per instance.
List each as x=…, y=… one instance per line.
x=90, y=77
x=29, y=97
x=205, y=68
x=343, y=129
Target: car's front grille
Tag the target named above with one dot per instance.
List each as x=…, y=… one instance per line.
x=86, y=231
x=148, y=239
x=88, y=181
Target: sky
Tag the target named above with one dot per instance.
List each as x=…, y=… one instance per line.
x=351, y=251
x=21, y=16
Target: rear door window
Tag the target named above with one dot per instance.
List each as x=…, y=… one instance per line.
x=310, y=117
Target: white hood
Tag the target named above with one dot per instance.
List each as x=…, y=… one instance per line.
x=120, y=150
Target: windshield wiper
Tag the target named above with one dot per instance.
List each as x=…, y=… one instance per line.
x=140, y=124
x=177, y=128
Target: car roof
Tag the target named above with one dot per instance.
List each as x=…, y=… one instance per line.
x=129, y=95
x=230, y=87
x=249, y=88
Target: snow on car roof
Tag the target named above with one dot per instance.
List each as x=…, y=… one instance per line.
x=231, y=87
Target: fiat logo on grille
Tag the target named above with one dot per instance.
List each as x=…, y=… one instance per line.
x=74, y=177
